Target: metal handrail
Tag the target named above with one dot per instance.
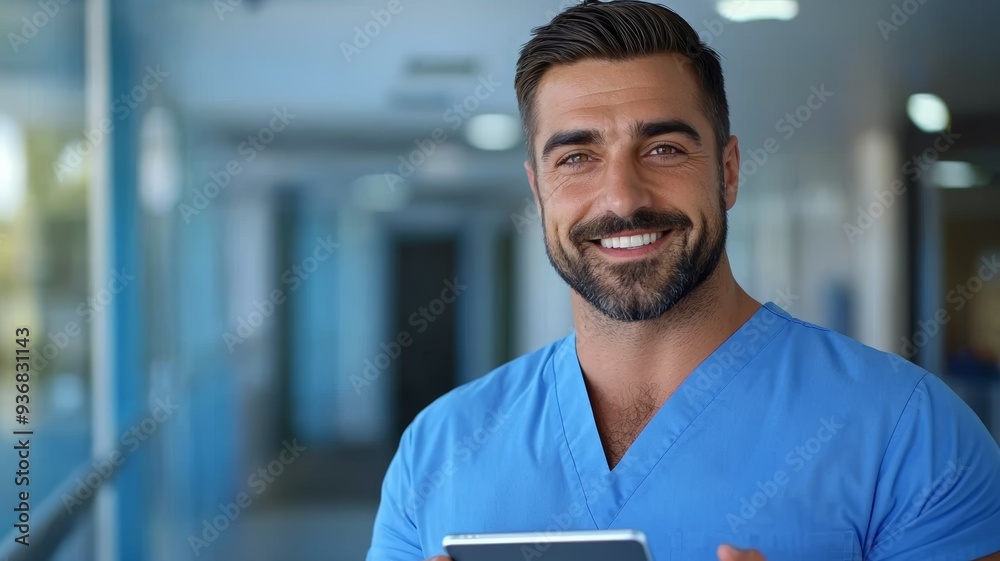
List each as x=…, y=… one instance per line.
x=53, y=522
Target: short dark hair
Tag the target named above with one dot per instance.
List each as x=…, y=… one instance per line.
x=618, y=30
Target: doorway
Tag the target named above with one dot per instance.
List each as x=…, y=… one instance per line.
x=423, y=323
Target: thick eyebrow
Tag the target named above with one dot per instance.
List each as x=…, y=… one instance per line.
x=639, y=129
x=642, y=129
x=571, y=138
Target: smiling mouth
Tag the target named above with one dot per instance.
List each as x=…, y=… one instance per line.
x=633, y=241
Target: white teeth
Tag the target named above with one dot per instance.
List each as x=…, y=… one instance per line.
x=637, y=240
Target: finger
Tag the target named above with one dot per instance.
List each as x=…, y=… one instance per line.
x=440, y=558
x=729, y=553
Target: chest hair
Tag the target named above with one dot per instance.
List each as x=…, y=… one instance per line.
x=621, y=418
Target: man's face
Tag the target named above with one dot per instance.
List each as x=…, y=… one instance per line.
x=632, y=191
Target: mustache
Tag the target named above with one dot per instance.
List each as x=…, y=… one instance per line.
x=643, y=219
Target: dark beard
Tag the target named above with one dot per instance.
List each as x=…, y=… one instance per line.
x=639, y=291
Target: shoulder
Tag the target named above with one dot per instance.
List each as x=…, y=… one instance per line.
x=939, y=481
x=910, y=399
x=841, y=356
x=493, y=395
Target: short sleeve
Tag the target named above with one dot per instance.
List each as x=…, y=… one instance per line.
x=938, y=491
x=394, y=536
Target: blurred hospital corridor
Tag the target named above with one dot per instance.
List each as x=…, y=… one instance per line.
x=253, y=239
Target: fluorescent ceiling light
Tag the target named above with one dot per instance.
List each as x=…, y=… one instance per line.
x=751, y=10
x=493, y=132
x=954, y=175
x=929, y=112
x=13, y=168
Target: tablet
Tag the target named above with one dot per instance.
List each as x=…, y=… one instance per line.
x=587, y=545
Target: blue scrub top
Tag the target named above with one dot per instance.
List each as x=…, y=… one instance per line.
x=790, y=438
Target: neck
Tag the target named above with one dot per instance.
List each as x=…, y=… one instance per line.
x=660, y=353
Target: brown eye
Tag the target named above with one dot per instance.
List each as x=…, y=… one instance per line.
x=666, y=150
x=576, y=159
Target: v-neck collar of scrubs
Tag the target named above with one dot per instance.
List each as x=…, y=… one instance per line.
x=607, y=491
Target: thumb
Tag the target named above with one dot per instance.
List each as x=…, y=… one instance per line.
x=727, y=552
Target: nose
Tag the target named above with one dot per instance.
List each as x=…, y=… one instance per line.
x=622, y=189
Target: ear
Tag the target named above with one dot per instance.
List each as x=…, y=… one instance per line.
x=731, y=168
x=533, y=181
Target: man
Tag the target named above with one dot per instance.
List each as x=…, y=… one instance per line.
x=680, y=406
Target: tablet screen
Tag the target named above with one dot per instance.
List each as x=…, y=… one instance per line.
x=596, y=545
